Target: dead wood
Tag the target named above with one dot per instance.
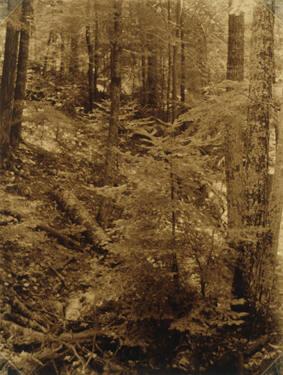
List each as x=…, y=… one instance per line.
x=33, y=336
x=62, y=238
x=100, y=106
x=80, y=215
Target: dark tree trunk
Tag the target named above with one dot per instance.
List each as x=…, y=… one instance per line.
x=144, y=98
x=90, y=49
x=74, y=60
x=62, y=63
x=183, y=59
x=233, y=134
x=46, y=58
x=8, y=81
x=96, y=57
x=152, y=79
x=169, y=92
x=144, y=54
x=236, y=47
x=175, y=62
x=253, y=281
x=111, y=163
x=115, y=93
x=20, y=90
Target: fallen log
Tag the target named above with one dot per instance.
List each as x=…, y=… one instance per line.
x=29, y=334
x=99, y=106
x=33, y=336
x=68, y=202
x=62, y=238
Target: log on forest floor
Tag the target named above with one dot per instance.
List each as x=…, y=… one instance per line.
x=62, y=238
x=68, y=202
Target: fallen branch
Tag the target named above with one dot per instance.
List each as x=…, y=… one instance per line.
x=25, y=310
x=58, y=274
x=22, y=320
x=80, y=215
x=97, y=105
x=62, y=238
x=31, y=336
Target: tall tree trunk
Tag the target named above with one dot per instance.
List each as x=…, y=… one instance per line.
x=144, y=99
x=276, y=199
x=46, y=58
x=183, y=58
x=111, y=163
x=62, y=62
x=153, y=71
x=236, y=47
x=21, y=82
x=175, y=62
x=143, y=61
x=8, y=80
x=90, y=49
x=74, y=60
x=254, y=283
x=169, y=92
x=152, y=78
x=233, y=133
x=96, y=56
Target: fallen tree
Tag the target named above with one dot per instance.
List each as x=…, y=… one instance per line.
x=62, y=238
x=69, y=203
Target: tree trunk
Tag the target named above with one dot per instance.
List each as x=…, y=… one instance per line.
x=169, y=63
x=255, y=284
x=90, y=49
x=96, y=57
x=8, y=81
x=111, y=163
x=46, y=59
x=175, y=62
x=183, y=59
x=62, y=63
x=276, y=198
x=144, y=99
x=74, y=61
x=20, y=90
x=236, y=47
x=152, y=79
x=233, y=134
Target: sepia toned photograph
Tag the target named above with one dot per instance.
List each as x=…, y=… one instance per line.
x=141, y=187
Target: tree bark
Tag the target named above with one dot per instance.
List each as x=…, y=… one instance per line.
x=111, y=162
x=8, y=80
x=152, y=79
x=115, y=93
x=183, y=58
x=74, y=61
x=79, y=214
x=169, y=84
x=233, y=133
x=175, y=62
x=90, y=49
x=46, y=58
x=21, y=82
x=236, y=47
x=255, y=284
x=96, y=57
x=62, y=63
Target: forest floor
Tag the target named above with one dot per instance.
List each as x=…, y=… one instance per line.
x=47, y=280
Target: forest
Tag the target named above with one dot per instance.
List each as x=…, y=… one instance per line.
x=141, y=187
